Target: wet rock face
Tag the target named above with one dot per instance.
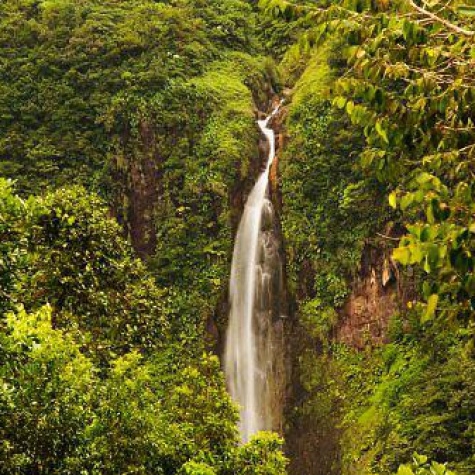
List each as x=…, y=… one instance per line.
x=136, y=172
x=143, y=196
x=313, y=449
x=278, y=125
x=378, y=292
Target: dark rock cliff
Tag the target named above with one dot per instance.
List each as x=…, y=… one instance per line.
x=378, y=292
x=136, y=173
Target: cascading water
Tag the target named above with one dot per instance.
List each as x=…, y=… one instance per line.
x=252, y=359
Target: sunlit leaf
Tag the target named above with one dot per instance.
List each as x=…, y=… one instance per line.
x=431, y=307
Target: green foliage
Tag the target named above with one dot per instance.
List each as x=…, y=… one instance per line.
x=130, y=431
x=412, y=395
x=421, y=466
x=330, y=209
x=12, y=243
x=161, y=414
x=409, y=87
x=151, y=104
x=260, y=456
x=317, y=319
x=200, y=170
x=60, y=414
x=196, y=468
x=193, y=220
x=46, y=388
x=320, y=163
x=64, y=250
x=406, y=85
x=419, y=135
x=66, y=64
x=104, y=379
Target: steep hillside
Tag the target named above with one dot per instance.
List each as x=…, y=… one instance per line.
x=380, y=329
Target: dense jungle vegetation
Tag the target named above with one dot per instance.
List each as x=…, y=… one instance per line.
x=127, y=145
x=383, y=114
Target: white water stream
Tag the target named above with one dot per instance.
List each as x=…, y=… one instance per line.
x=255, y=279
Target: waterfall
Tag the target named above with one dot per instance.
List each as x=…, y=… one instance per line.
x=252, y=359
